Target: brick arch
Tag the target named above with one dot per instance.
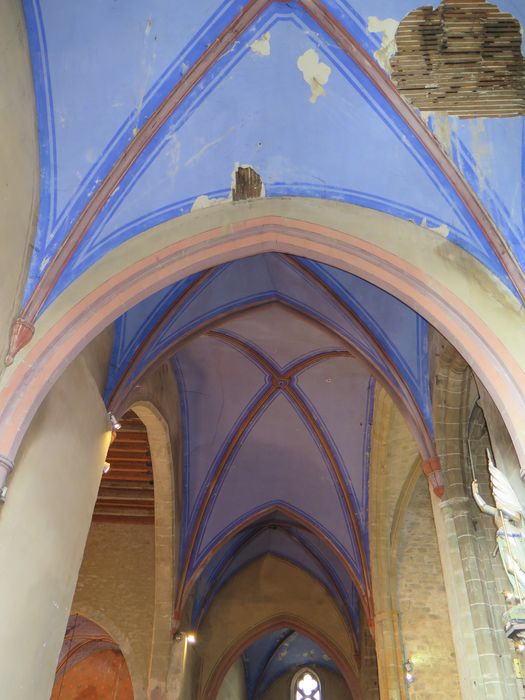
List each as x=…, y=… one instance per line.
x=454, y=292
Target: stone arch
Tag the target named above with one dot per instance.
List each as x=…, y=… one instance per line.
x=122, y=640
x=163, y=481
x=267, y=627
x=271, y=593
x=454, y=292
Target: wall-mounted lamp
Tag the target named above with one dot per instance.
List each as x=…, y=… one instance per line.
x=114, y=422
x=409, y=671
x=3, y=494
x=107, y=467
x=190, y=637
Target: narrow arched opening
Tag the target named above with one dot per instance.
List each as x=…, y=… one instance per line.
x=91, y=664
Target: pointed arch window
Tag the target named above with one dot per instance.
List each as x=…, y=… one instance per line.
x=306, y=686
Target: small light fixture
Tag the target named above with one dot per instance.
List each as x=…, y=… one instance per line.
x=409, y=671
x=3, y=494
x=114, y=422
x=191, y=638
x=107, y=467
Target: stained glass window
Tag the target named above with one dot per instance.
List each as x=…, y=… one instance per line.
x=306, y=686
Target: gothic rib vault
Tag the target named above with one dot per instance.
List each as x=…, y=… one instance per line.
x=149, y=116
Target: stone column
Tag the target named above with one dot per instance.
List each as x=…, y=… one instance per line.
x=43, y=529
x=483, y=654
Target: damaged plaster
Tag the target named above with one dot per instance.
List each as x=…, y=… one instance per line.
x=315, y=73
x=387, y=28
x=261, y=46
x=246, y=183
x=203, y=202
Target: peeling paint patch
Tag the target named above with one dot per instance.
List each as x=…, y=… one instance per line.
x=314, y=72
x=261, y=46
x=442, y=229
x=388, y=29
x=203, y=202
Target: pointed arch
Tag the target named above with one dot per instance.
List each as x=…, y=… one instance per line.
x=267, y=627
x=432, y=276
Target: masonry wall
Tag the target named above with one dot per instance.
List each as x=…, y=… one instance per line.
x=116, y=589
x=425, y=626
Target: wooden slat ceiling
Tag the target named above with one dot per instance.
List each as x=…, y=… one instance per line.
x=463, y=58
x=126, y=491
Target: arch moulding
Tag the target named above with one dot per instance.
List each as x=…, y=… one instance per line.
x=267, y=627
x=440, y=281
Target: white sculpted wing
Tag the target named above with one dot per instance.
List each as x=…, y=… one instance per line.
x=502, y=490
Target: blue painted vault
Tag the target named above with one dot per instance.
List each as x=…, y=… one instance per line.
x=277, y=358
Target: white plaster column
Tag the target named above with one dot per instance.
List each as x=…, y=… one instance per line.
x=43, y=529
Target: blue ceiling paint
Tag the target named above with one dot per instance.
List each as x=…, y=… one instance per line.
x=184, y=164
x=258, y=654
x=399, y=330
x=326, y=406
x=258, y=542
x=278, y=653
x=268, y=277
x=218, y=385
x=87, y=115
x=135, y=325
x=269, y=467
x=489, y=152
x=207, y=371
x=88, y=109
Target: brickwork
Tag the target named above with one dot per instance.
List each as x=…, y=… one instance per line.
x=116, y=588
x=423, y=607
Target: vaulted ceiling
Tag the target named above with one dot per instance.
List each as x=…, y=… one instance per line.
x=146, y=111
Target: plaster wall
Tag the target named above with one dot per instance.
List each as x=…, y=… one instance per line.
x=333, y=687
x=18, y=164
x=116, y=589
x=234, y=685
x=44, y=525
